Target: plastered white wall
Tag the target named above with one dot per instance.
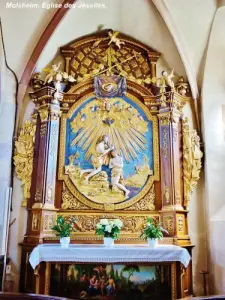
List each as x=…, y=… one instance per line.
x=194, y=20
x=213, y=97
x=7, y=117
x=22, y=28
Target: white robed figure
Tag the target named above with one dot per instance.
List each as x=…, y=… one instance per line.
x=116, y=166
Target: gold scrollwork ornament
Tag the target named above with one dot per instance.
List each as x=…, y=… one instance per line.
x=23, y=158
x=70, y=202
x=87, y=223
x=43, y=114
x=192, y=156
x=167, y=194
x=168, y=223
x=181, y=224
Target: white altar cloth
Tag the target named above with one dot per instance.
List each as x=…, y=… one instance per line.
x=100, y=254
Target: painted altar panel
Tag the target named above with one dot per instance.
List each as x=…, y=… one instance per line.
x=115, y=282
x=110, y=150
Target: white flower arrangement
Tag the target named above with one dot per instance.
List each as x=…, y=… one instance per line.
x=109, y=228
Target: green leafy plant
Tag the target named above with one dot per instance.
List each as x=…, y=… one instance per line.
x=63, y=228
x=152, y=230
x=109, y=228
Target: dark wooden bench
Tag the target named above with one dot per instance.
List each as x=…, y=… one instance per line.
x=29, y=296
x=205, y=298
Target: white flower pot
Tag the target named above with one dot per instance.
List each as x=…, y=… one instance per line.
x=152, y=243
x=64, y=241
x=108, y=242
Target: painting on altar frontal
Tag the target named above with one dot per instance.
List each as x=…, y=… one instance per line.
x=109, y=148
x=114, y=282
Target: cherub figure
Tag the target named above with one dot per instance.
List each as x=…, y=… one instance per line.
x=168, y=78
x=53, y=72
x=114, y=39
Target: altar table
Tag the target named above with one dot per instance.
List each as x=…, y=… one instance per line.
x=44, y=256
x=116, y=254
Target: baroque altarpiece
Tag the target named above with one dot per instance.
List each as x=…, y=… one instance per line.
x=107, y=139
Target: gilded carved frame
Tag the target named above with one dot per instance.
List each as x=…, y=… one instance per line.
x=72, y=188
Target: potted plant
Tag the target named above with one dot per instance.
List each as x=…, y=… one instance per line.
x=109, y=229
x=63, y=229
x=152, y=232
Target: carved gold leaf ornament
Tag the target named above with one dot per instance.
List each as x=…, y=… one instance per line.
x=168, y=222
x=23, y=158
x=167, y=194
x=180, y=222
x=165, y=142
x=146, y=203
x=86, y=223
x=49, y=221
x=182, y=87
x=192, y=156
x=35, y=222
x=70, y=202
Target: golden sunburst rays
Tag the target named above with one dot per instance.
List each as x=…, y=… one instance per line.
x=125, y=128
x=93, y=142
x=79, y=138
x=138, y=137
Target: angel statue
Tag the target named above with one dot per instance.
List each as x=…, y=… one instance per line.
x=114, y=39
x=116, y=166
x=53, y=72
x=99, y=157
x=168, y=78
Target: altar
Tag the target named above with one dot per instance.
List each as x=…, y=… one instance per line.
x=108, y=139
x=149, y=272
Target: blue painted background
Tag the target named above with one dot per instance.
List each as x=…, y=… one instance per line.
x=129, y=168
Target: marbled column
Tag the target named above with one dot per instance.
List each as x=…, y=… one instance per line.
x=45, y=157
x=50, y=178
x=40, y=155
x=171, y=161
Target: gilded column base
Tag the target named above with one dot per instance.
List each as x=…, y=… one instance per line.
x=168, y=208
x=37, y=205
x=49, y=206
